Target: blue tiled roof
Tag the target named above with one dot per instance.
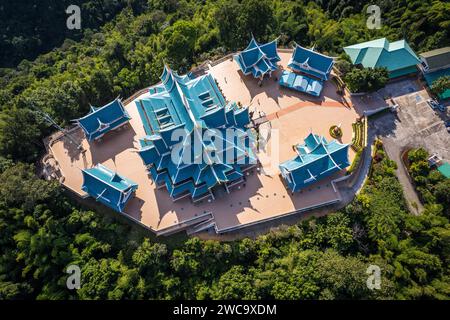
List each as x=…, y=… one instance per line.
x=311, y=62
x=315, y=160
x=101, y=120
x=194, y=107
x=301, y=83
x=108, y=187
x=258, y=59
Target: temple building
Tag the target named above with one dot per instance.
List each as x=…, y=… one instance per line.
x=397, y=57
x=195, y=140
x=108, y=187
x=258, y=59
x=315, y=160
x=99, y=121
x=311, y=63
x=311, y=69
x=301, y=83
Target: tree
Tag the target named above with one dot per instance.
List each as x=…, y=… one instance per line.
x=256, y=17
x=99, y=278
x=441, y=85
x=20, y=135
x=341, y=277
x=442, y=194
x=234, y=284
x=13, y=291
x=416, y=155
x=335, y=232
x=19, y=187
x=226, y=17
x=180, y=41
x=366, y=79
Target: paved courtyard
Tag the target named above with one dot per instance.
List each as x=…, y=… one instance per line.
x=263, y=196
x=414, y=125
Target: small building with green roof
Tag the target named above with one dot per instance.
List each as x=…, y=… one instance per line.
x=436, y=64
x=445, y=170
x=397, y=57
x=434, y=60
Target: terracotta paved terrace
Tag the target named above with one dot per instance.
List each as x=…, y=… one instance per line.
x=263, y=195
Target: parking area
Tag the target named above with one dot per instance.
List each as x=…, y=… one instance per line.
x=416, y=123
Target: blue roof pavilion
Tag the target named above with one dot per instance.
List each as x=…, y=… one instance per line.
x=102, y=120
x=258, y=59
x=108, y=187
x=311, y=63
x=194, y=139
x=301, y=83
x=315, y=160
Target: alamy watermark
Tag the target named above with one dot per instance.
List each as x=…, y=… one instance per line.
x=74, y=20
x=374, y=19
x=226, y=146
x=74, y=279
x=374, y=280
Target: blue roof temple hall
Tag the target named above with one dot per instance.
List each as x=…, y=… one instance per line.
x=211, y=145
x=108, y=187
x=315, y=160
x=100, y=121
x=309, y=70
x=258, y=59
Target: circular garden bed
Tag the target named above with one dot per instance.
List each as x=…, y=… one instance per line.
x=335, y=132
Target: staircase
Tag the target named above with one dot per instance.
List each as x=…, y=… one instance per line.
x=201, y=226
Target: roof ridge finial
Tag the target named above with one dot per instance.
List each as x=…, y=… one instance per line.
x=166, y=65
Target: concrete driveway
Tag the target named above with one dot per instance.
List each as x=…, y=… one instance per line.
x=414, y=125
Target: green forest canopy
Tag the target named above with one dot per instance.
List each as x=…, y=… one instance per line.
x=326, y=258
x=43, y=231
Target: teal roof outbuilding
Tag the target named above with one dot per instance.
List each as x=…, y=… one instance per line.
x=381, y=53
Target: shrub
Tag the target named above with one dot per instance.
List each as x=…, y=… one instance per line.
x=366, y=79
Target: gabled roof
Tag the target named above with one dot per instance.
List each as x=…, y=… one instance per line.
x=445, y=169
x=195, y=107
x=108, y=186
x=381, y=53
x=438, y=58
x=258, y=59
x=301, y=83
x=101, y=120
x=315, y=160
x=311, y=62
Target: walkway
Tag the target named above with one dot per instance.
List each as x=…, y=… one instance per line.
x=394, y=152
x=347, y=190
x=301, y=104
